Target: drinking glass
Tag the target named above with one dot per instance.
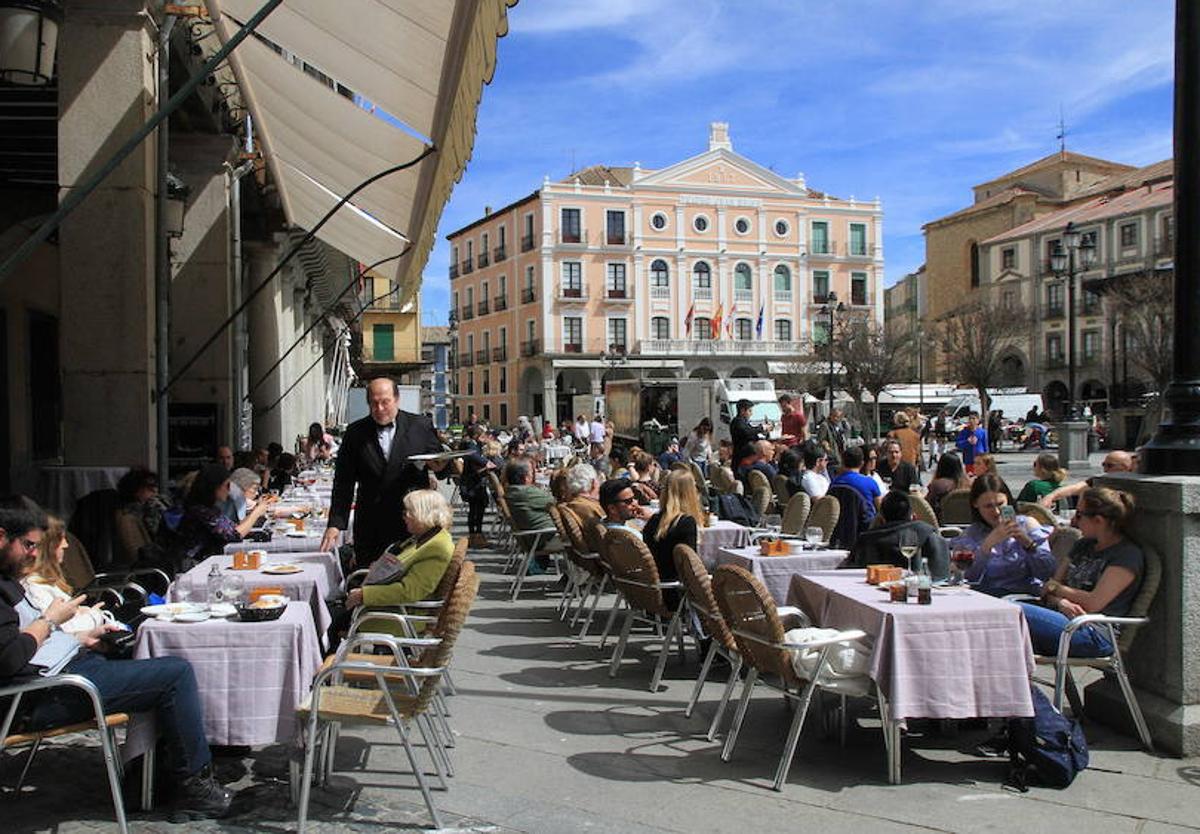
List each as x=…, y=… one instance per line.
x=961, y=560
x=908, y=551
x=232, y=588
x=814, y=535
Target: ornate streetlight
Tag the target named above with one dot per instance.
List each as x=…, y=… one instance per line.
x=829, y=310
x=1064, y=263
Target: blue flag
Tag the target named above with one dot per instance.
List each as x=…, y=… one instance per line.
x=758, y=327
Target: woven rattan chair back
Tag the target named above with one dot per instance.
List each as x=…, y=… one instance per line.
x=795, y=513
x=1145, y=595
x=1037, y=512
x=824, y=514
x=779, y=486
x=698, y=477
x=1062, y=539
x=746, y=606
x=697, y=584
x=449, y=625
x=453, y=569
x=956, y=507
x=758, y=482
x=722, y=479
x=578, y=541
x=923, y=511
x=632, y=566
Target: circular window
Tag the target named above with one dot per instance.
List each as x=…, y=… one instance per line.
x=782, y=228
x=700, y=223
x=741, y=225
x=658, y=221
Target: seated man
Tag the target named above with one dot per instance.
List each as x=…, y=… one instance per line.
x=750, y=457
x=671, y=454
x=620, y=505
x=815, y=478
x=529, y=505
x=896, y=472
x=32, y=644
x=852, y=460
x=880, y=545
x=583, y=489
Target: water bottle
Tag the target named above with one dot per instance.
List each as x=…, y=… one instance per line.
x=924, y=585
x=216, y=591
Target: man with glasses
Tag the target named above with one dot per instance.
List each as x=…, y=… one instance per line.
x=1114, y=461
x=32, y=644
x=620, y=504
x=815, y=480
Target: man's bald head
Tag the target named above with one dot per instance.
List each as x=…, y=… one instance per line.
x=382, y=397
x=1118, y=461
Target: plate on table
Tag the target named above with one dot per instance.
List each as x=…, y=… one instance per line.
x=222, y=609
x=191, y=617
x=282, y=569
x=170, y=610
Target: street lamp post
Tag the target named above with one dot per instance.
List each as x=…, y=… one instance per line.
x=829, y=310
x=1064, y=263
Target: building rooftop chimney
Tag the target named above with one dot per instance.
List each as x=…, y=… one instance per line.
x=718, y=136
x=487, y=211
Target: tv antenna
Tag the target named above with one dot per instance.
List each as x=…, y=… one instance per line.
x=1062, y=130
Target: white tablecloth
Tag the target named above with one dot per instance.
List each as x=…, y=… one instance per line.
x=776, y=572
x=724, y=534
x=59, y=487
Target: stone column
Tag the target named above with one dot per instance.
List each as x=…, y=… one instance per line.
x=106, y=246
x=263, y=321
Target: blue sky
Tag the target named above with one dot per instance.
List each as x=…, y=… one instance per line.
x=913, y=102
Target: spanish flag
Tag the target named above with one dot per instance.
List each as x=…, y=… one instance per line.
x=716, y=322
x=687, y=320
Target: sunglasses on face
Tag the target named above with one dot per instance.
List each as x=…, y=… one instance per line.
x=629, y=500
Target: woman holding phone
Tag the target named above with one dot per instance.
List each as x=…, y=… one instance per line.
x=1012, y=552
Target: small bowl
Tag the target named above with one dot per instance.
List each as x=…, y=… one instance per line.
x=259, y=613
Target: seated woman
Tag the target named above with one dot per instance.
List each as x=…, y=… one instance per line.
x=644, y=474
x=1048, y=475
x=1101, y=576
x=316, y=447
x=985, y=464
x=204, y=530
x=44, y=582
x=419, y=562
x=139, y=518
x=677, y=522
x=1012, y=552
x=949, y=476
x=791, y=466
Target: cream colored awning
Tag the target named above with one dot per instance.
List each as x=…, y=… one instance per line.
x=422, y=62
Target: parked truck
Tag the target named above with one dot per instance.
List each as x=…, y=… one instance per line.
x=648, y=412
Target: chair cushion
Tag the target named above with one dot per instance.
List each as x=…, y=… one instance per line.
x=117, y=719
x=356, y=706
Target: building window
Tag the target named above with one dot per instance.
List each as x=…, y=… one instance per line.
x=470, y=300
x=529, y=292
x=483, y=249
x=702, y=276
x=504, y=414
x=820, y=238
x=1054, y=299
x=570, y=223
x=742, y=225
x=470, y=383
x=1051, y=245
x=487, y=413
x=658, y=221
x=820, y=332
x=487, y=343
x=1091, y=345
x=1054, y=347
x=858, y=288
x=531, y=330
x=700, y=223
x=572, y=279
x=974, y=255
x=783, y=330
x=616, y=281
x=527, y=234
x=502, y=237
x=783, y=279
x=1008, y=257
x=572, y=334
x=1009, y=299
x=1128, y=235
x=617, y=331
x=486, y=381
x=614, y=226
x=858, y=238
x=743, y=277
x=743, y=330
x=702, y=329
x=660, y=327
x=782, y=228
x=659, y=274
x=471, y=346
x=820, y=285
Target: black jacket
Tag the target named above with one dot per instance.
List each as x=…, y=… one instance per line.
x=742, y=433
x=881, y=546
x=16, y=649
x=382, y=485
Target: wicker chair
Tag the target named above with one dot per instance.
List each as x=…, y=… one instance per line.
x=434, y=601
x=758, y=485
x=751, y=615
x=403, y=692
x=923, y=511
x=1037, y=512
x=698, y=477
x=589, y=559
x=722, y=479
x=781, y=490
x=697, y=586
x=824, y=514
x=579, y=570
x=635, y=576
x=956, y=507
x=795, y=514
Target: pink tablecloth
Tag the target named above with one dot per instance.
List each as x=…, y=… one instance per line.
x=282, y=543
x=776, y=572
x=965, y=656
x=251, y=676
x=722, y=535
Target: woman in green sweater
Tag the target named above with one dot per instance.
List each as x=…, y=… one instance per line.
x=423, y=557
x=1048, y=476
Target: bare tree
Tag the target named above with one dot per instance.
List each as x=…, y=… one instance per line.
x=974, y=337
x=874, y=357
x=1144, y=306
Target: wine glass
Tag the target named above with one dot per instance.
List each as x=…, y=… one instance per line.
x=908, y=551
x=962, y=559
x=814, y=535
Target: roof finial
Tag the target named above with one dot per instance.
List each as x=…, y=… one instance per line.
x=718, y=136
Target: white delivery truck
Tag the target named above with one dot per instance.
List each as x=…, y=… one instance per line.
x=648, y=412
x=1014, y=402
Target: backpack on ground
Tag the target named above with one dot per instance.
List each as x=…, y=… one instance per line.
x=1048, y=748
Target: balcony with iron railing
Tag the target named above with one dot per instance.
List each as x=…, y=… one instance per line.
x=532, y=347
x=453, y=271
x=572, y=292
x=500, y=354
x=1054, y=363
x=743, y=294
x=500, y=253
x=481, y=357
x=660, y=292
x=468, y=266
x=483, y=308
x=526, y=242
x=528, y=295
x=824, y=249
x=702, y=293
x=1053, y=311
x=866, y=251
x=468, y=312
x=624, y=293
x=572, y=236
x=484, y=259
x=572, y=347
x=723, y=347
x=467, y=359
x=500, y=303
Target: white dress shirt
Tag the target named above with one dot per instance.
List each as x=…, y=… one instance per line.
x=385, y=435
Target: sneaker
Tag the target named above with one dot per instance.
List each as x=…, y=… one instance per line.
x=995, y=747
x=201, y=796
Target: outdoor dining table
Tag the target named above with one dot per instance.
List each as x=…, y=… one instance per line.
x=251, y=676
x=285, y=542
x=966, y=655
x=776, y=572
x=721, y=535
x=314, y=583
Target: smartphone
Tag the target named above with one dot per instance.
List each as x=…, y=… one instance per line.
x=1008, y=513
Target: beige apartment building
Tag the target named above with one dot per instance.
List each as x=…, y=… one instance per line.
x=1130, y=219
x=904, y=308
x=711, y=267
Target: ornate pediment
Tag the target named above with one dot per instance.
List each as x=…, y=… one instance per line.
x=722, y=169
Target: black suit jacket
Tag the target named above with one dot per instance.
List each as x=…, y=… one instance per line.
x=382, y=485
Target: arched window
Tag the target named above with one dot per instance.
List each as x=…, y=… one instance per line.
x=743, y=278
x=783, y=279
x=743, y=330
x=660, y=327
x=660, y=275
x=702, y=275
x=702, y=329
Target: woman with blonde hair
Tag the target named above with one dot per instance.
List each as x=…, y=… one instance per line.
x=678, y=521
x=1048, y=475
x=45, y=582
x=1102, y=575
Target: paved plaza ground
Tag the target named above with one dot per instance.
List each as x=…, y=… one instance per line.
x=547, y=742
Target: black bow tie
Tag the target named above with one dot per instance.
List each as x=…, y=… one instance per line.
x=385, y=426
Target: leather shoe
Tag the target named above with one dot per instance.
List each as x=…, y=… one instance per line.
x=201, y=796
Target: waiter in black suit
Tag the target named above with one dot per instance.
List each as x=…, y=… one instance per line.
x=374, y=456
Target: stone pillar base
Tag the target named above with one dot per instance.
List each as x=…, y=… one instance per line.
x=1175, y=728
x=1072, y=444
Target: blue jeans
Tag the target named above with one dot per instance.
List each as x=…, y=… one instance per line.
x=166, y=685
x=1046, y=626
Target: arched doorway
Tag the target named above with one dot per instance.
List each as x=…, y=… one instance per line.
x=1012, y=371
x=568, y=384
x=744, y=373
x=661, y=373
x=531, y=399
x=1055, y=395
x=703, y=373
